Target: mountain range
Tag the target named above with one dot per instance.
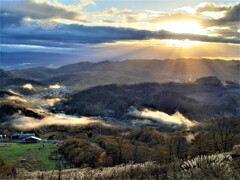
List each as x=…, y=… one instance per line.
x=198, y=88
x=23, y=60
x=83, y=75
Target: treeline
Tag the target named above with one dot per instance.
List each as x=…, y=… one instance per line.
x=98, y=146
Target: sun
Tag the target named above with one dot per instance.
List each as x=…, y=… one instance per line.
x=190, y=27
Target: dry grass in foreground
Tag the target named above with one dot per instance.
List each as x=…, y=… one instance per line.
x=148, y=170
x=216, y=166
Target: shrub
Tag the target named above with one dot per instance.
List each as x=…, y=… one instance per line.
x=216, y=166
x=1, y=163
x=80, y=152
x=6, y=170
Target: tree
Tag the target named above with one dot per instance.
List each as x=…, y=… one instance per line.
x=119, y=140
x=224, y=131
x=135, y=152
x=177, y=147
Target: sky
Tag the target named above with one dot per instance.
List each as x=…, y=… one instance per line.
x=122, y=29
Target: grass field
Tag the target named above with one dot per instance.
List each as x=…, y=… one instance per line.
x=28, y=155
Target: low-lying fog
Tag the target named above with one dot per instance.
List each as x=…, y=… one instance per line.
x=39, y=104
x=162, y=117
x=24, y=123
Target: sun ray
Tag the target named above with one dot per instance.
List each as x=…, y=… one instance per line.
x=186, y=43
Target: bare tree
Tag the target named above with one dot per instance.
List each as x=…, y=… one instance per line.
x=135, y=152
x=177, y=147
x=224, y=131
x=119, y=140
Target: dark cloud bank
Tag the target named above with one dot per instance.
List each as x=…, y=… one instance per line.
x=15, y=31
x=78, y=34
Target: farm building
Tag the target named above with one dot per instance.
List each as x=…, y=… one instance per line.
x=22, y=136
x=31, y=139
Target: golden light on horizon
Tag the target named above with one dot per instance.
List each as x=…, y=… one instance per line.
x=170, y=48
x=186, y=43
x=191, y=27
x=158, y=43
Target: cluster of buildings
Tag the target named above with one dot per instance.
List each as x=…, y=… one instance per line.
x=22, y=138
x=58, y=92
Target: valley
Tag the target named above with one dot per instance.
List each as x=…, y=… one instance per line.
x=139, y=119
x=115, y=90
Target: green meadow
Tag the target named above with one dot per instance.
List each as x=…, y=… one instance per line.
x=29, y=156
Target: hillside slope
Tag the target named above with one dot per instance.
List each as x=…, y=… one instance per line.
x=166, y=97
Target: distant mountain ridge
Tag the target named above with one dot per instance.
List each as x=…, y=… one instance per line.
x=86, y=74
x=22, y=60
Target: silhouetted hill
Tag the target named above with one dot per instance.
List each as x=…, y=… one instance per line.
x=84, y=74
x=167, y=97
x=210, y=80
x=5, y=74
x=12, y=103
x=9, y=79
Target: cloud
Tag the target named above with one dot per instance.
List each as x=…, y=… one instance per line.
x=28, y=86
x=25, y=123
x=208, y=15
x=16, y=12
x=17, y=99
x=13, y=92
x=55, y=86
x=70, y=35
x=177, y=118
x=115, y=15
x=225, y=31
x=54, y=24
x=233, y=15
x=174, y=17
x=230, y=19
x=52, y=101
x=211, y=7
x=12, y=19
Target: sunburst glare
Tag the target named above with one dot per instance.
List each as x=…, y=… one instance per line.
x=191, y=27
